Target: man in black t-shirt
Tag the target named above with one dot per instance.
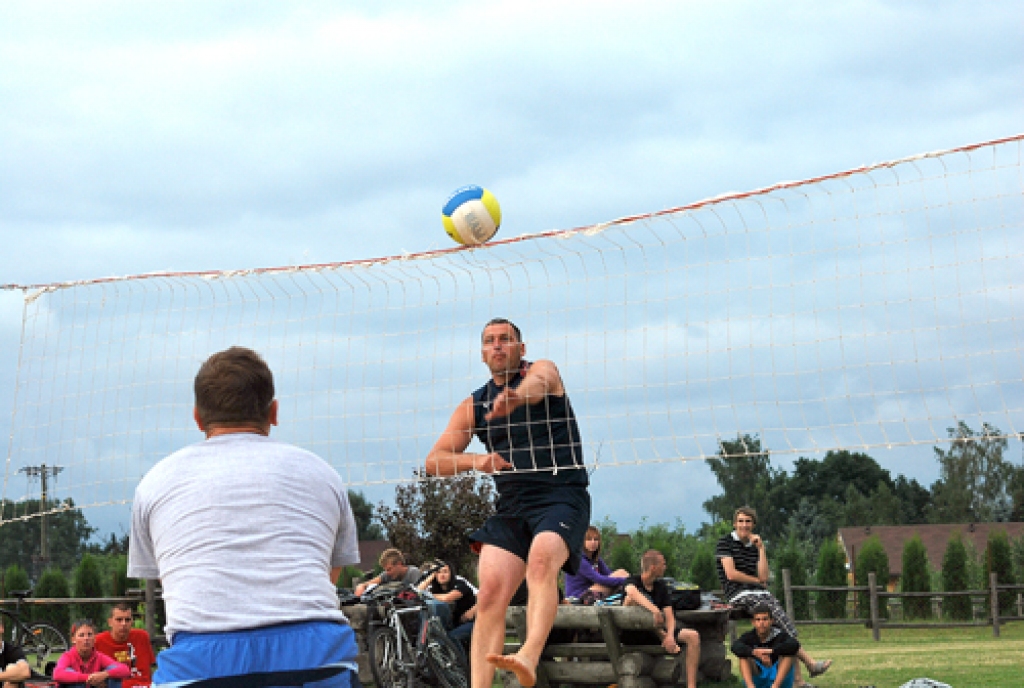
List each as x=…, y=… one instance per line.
x=13, y=667
x=650, y=592
x=766, y=653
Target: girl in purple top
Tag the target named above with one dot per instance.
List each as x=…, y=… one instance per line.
x=593, y=575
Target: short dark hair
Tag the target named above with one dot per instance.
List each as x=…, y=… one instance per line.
x=746, y=511
x=650, y=558
x=503, y=321
x=122, y=607
x=234, y=386
x=81, y=623
x=761, y=608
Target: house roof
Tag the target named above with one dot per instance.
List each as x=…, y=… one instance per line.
x=934, y=536
x=369, y=553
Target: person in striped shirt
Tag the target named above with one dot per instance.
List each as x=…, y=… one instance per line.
x=743, y=571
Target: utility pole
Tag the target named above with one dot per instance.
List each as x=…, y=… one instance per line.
x=43, y=472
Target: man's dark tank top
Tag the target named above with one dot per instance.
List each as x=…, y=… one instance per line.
x=541, y=436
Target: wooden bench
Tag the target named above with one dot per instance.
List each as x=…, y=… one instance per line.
x=607, y=660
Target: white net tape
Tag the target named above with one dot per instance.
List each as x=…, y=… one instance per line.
x=866, y=309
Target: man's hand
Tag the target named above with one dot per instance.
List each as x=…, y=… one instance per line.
x=504, y=404
x=756, y=541
x=97, y=679
x=763, y=655
x=491, y=463
x=670, y=644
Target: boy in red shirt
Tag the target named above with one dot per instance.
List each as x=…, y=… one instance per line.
x=128, y=645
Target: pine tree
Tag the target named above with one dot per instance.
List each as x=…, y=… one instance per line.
x=954, y=579
x=53, y=583
x=791, y=557
x=89, y=583
x=872, y=559
x=915, y=578
x=998, y=560
x=831, y=573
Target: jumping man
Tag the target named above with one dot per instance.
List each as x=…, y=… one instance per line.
x=523, y=417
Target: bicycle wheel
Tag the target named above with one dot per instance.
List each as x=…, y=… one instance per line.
x=384, y=663
x=43, y=647
x=446, y=660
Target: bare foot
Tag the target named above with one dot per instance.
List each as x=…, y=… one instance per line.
x=527, y=676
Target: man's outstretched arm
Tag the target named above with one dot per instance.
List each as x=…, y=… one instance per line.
x=449, y=457
x=541, y=379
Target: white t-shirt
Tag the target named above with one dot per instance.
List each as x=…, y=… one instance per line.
x=242, y=532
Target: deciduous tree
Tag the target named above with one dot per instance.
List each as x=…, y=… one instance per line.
x=432, y=518
x=974, y=477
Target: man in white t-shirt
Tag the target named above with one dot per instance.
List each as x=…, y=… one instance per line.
x=247, y=536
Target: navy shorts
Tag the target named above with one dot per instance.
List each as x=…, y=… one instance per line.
x=565, y=511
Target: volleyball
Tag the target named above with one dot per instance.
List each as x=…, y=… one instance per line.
x=471, y=215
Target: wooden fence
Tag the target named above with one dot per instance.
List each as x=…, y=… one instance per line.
x=989, y=606
x=148, y=595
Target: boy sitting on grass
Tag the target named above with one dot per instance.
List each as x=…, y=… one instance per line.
x=766, y=653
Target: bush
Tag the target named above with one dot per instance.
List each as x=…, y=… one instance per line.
x=832, y=573
x=89, y=583
x=53, y=583
x=915, y=578
x=998, y=560
x=954, y=579
x=620, y=556
x=702, y=569
x=347, y=574
x=15, y=578
x=872, y=559
x=792, y=558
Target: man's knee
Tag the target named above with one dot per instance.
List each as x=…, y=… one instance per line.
x=689, y=637
x=547, y=553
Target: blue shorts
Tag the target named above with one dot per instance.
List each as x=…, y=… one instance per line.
x=764, y=676
x=299, y=654
x=565, y=511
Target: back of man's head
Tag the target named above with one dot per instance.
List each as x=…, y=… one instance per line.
x=234, y=387
x=650, y=559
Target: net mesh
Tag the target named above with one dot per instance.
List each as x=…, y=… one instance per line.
x=871, y=308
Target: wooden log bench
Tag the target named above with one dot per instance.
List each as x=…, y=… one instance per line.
x=606, y=660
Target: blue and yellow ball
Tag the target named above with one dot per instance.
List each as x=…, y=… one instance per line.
x=471, y=215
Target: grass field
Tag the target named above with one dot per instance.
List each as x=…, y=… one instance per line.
x=961, y=657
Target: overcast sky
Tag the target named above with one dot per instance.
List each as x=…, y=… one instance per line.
x=139, y=137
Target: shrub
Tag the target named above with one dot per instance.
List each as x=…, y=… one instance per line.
x=347, y=574
x=872, y=559
x=702, y=569
x=954, y=579
x=915, y=578
x=89, y=583
x=998, y=560
x=792, y=558
x=53, y=583
x=832, y=573
x=15, y=578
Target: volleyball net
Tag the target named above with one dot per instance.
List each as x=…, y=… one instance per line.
x=871, y=308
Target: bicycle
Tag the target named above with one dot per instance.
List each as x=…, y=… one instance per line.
x=42, y=643
x=408, y=645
